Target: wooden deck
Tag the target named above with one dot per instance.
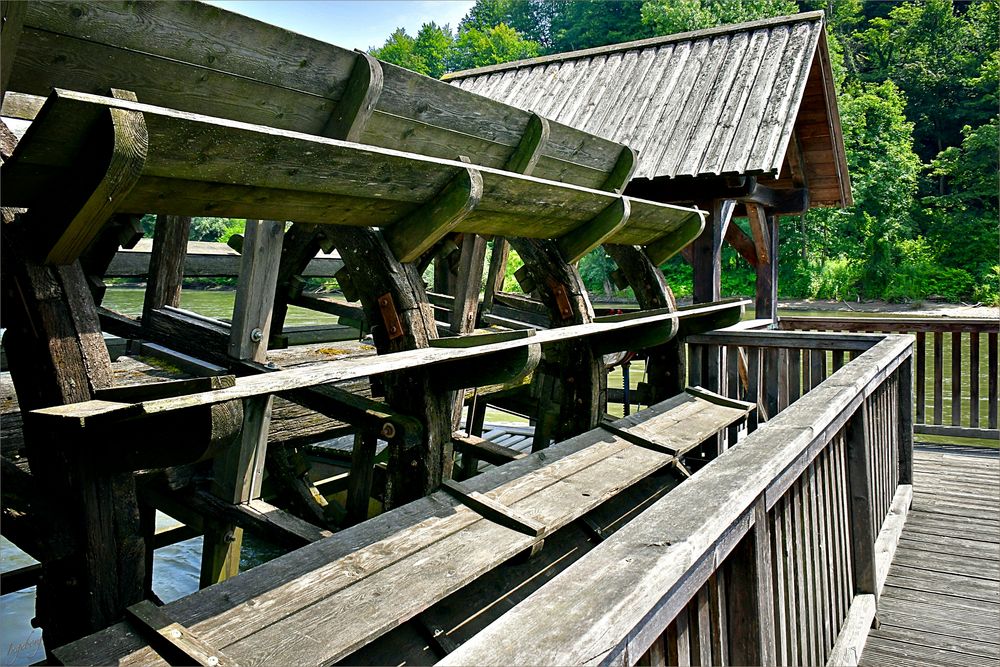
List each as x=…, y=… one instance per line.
x=941, y=601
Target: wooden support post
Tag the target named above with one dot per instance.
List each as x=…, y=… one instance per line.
x=496, y=273
x=298, y=247
x=767, y=267
x=359, y=482
x=12, y=12
x=751, y=602
x=470, y=275
x=905, y=421
x=859, y=482
x=707, y=253
x=166, y=263
x=238, y=473
x=94, y=564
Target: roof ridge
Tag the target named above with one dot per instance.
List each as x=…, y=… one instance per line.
x=638, y=44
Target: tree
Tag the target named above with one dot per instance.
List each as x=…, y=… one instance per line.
x=667, y=17
x=432, y=48
x=499, y=44
x=399, y=49
x=584, y=24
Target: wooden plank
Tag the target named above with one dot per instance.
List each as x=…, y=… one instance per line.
x=621, y=173
x=853, y=635
x=206, y=259
x=172, y=640
x=412, y=236
x=255, y=294
x=494, y=511
x=485, y=450
x=886, y=651
x=891, y=324
x=956, y=378
x=356, y=105
x=470, y=274
x=963, y=645
x=587, y=237
x=10, y=28
x=359, y=483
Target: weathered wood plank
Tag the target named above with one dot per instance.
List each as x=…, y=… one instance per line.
x=166, y=263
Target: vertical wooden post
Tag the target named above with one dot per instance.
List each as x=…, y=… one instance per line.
x=239, y=472
x=905, y=421
x=95, y=561
x=750, y=596
x=766, y=303
x=859, y=483
x=166, y=263
x=470, y=276
x=707, y=253
x=359, y=483
x=298, y=247
x=496, y=273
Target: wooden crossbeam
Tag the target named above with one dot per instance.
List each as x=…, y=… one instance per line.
x=586, y=237
x=758, y=227
x=484, y=449
x=356, y=105
x=741, y=243
x=637, y=439
x=417, y=232
x=662, y=249
x=176, y=644
x=493, y=510
x=529, y=149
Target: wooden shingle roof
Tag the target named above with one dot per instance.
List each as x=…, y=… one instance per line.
x=732, y=100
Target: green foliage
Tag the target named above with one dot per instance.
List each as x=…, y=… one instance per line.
x=514, y=262
x=595, y=269
x=400, y=49
x=499, y=44
x=584, y=24
x=671, y=16
x=920, y=275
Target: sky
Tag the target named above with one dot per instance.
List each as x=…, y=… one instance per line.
x=352, y=24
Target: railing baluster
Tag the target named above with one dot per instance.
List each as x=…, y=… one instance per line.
x=974, y=379
x=862, y=528
x=694, y=365
x=753, y=382
x=815, y=368
x=956, y=378
x=938, y=376
x=750, y=595
x=838, y=360
x=992, y=387
x=771, y=388
x=732, y=388
x=921, y=379
x=794, y=376
x=779, y=581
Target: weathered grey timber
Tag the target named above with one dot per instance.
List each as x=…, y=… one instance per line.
x=725, y=100
x=205, y=259
x=243, y=69
x=301, y=592
x=335, y=183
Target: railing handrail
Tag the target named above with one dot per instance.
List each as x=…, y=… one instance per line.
x=610, y=605
x=773, y=338
x=908, y=324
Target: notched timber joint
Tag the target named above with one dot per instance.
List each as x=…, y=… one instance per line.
x=357, y=104
x=492, y=510
x=580, y=241
x=662, y=249
x=637, y=440
x=529, y=149
x=172, y=641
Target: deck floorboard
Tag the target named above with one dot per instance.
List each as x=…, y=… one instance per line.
x=941, y=601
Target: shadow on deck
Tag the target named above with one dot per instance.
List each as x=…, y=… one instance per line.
x=941, y=601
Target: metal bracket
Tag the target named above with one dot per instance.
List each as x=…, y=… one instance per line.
x=562, y=298
x=393, y=327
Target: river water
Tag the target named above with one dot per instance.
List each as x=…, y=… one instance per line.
x=175, y=569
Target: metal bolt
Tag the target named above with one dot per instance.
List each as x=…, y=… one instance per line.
x=256, y=335
x=388, y=430
x=176, y=634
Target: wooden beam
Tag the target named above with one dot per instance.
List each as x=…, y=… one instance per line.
x=496, y=273
x=12, y=12
x=171, y=640
x=529, y=149
x=493, y=510
x=470, y=276
x=863, y=531
x=741, y=189
x=356, y=105
x=128, y=149
x=707, y=253
x=759, y=228
x=255, y=294
x=622, y=172
x=742, y=243
x=417, y=232
x=166, y=263
x=594, y=232
x=663, y=249
x=766, y=304
x=484, y=450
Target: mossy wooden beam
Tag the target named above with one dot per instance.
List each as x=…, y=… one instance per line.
x=417, y=232
x=622, y=172
x=130, y=143
x=588, y=236
x=662, y=249
x=355, y=108
x=529, y=149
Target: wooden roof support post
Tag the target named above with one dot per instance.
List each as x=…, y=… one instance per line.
x=766, y=304
x=707, y=253
x=95, y=563
x=238, y=472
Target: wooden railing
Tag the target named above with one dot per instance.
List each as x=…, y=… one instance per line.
x=773, y=553
x=950, y=397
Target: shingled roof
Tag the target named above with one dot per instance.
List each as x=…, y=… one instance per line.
x=749, y=99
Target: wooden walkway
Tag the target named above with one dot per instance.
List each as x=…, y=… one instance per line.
x=941, y=601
